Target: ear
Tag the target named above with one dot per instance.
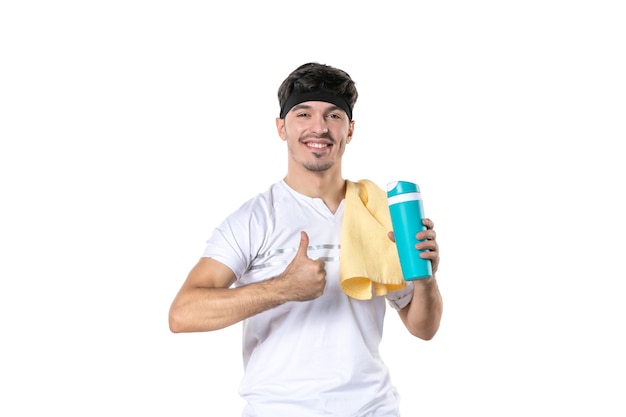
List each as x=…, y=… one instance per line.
x=350, y=132
x=280, y=127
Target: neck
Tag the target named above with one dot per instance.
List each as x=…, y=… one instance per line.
x=330, y=188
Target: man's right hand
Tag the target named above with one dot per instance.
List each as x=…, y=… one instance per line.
x=304, y=278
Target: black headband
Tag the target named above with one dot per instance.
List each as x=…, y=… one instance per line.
x=317, y=95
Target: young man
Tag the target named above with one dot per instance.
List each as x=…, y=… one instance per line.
x=309, y=348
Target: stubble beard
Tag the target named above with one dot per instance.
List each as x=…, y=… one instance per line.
x=318, y=167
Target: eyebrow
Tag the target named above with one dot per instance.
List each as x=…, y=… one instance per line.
x=331, y=108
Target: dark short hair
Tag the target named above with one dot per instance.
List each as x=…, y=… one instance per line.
x=313, y=77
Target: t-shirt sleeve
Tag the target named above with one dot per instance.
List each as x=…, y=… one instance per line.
x=401, y=298
x=231, y=242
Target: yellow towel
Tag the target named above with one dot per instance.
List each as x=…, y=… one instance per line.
x=369, y=261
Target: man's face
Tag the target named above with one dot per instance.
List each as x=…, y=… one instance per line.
x=316, y=133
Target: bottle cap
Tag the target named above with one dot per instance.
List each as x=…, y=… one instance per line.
x=401, y=187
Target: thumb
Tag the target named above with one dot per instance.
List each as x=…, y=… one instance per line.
x=304, y=244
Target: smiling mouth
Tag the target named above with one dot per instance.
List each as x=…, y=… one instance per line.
x=318, y=145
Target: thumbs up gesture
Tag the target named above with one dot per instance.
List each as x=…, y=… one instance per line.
x=304, y=278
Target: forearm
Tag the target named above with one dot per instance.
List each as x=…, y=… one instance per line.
x=206, y=309
x=423, y=314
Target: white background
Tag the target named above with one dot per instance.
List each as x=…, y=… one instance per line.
x=129, y=129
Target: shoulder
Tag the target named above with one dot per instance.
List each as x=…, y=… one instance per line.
x=266, y=200
x=367, y=190
x=371, y=185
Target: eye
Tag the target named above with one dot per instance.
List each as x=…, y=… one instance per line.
x=302, y=114
x=334, y=116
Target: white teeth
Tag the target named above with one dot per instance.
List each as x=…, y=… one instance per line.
x=317, y=145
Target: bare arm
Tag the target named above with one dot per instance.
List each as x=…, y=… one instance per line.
x=206, y=302
x=423, y=314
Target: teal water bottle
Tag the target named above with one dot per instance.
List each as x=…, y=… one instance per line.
x=407, y=211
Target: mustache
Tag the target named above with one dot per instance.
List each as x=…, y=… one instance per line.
x=325, y=135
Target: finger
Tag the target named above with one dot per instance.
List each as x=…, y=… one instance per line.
x=429, y=255
x=428, y=223
x=430, y=245
x=426, y=234
x=304, y=244
x=391, y=236
x=434, y=258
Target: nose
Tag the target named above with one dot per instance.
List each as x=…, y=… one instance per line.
x=318, y=124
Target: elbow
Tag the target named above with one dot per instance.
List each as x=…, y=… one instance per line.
x=181, y=320
x=176, y=322
x=424, y=328
x=174, y=328
x=425, y=333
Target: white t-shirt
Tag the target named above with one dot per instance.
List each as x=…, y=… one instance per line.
x=311, y=358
